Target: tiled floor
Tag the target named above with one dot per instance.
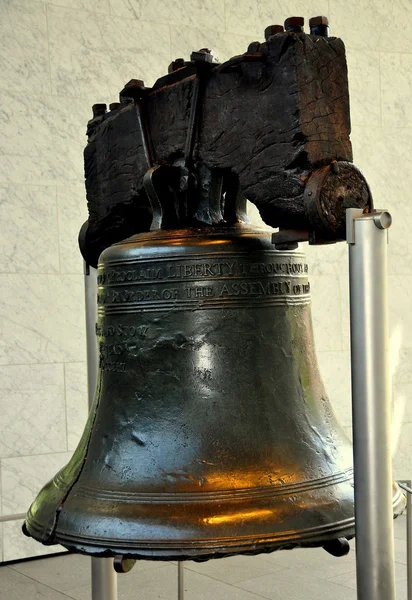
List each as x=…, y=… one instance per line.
x=292, y=575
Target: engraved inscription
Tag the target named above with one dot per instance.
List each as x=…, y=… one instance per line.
x=140, y=274
x=200, y=283
x=198, y=270
x=127, y=295
x=257, y=288
x=222, y=290
x=198, y=292
x=121, y=330
x=112, y=349
x=114, y=367
x=110, y=356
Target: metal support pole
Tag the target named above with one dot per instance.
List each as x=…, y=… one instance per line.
x=90, y=290
x=16, y=517
x=180, y=580
x=104, y=577
x=367, y=237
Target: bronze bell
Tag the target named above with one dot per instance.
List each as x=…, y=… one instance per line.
x=211, y=432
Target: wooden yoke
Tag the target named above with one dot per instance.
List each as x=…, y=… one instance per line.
x=271, y=125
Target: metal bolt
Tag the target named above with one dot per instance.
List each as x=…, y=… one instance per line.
x=98, y=110
x=294, y=24
x=319, y=26
x=335, y=167
x=253, y=48
x=114, y=105
x=176, y=64
x=315, y=21
x=383, y=220
x=202, y=55
x=132, y=89
x=272, y=30
x=134, y=83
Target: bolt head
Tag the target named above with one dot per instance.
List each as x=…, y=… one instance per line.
x=114, y=105
x=134, y=83
x=202, y=55
x=210, y=53
x=176, y=64
x=98, y=109
x=316, y=21
x=294, y=22
x=272, y=30
x=132, y=89
x=253, y=48
x=383, y=220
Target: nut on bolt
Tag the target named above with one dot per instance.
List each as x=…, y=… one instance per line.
x=294, y=24
x=202, y=55
x=134, y=83
x=132, y=89
x=272, y=30
x=315, y=21
x=253, y=48
x=319, y=26
x=176, y=64
x=99, y=110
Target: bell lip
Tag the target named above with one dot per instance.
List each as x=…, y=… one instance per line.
x=205, y=554
x=209, y=549
x=205, y=549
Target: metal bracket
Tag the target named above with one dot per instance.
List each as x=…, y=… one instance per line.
x=287, y=239
x=351, y=215
x=381, y=218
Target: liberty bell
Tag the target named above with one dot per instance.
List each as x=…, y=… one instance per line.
x=211, y=432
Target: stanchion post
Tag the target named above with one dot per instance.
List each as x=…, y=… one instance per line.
x=367, y=237
x=180, y=580
x=104, y=577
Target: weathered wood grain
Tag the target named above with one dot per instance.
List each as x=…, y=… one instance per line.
x=265, y=121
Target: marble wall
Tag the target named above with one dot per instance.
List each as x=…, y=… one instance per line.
x=61, y=56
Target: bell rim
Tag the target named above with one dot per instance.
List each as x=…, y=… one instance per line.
x=204, y=549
